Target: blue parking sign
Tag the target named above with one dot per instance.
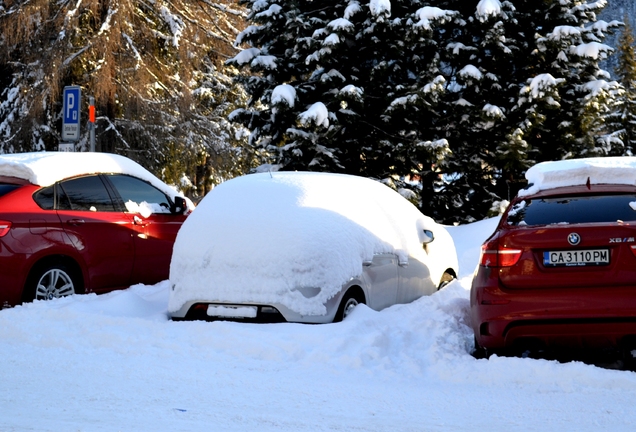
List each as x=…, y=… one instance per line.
x=71, y=113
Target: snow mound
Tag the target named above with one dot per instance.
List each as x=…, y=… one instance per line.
x=316, y=114
x=471, y=71
x=246, y=55
x=487, y=8
x=378, y=7
x=260, y=237
x=607, y=170
x=284, y=92
x=429, y=14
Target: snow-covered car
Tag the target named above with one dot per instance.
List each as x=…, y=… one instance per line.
x=82, y=222
x=304, y=247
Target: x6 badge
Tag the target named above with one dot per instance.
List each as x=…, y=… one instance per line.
x=574, y=239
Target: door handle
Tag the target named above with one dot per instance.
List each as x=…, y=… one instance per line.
x=139, y=221
x=75, y=222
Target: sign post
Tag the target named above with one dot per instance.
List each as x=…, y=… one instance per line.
x=71, y=116
x=91, y=121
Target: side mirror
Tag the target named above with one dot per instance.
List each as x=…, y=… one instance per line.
x=180, y=205
x=427, y=236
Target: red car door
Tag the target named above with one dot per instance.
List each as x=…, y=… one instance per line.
x=153, y=246
x=155, y=227
x=101, y=233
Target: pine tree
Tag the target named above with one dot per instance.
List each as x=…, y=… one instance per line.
x=351, y=87
x=460, y=97
x=568, y=52
x=626, y=71
x=155, y=69
x=481, y=57
x=533, y=90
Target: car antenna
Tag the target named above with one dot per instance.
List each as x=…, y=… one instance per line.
x=588, y=183
x=270, y=172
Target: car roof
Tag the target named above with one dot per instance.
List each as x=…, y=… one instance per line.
x=579, y=190
x=620, y=170
x=13, y=181
x=47, y=168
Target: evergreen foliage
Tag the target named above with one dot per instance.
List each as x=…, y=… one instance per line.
x=569, y=48
x=484, y=65
x=536, y=93
x=346, y=87
x=614, y=9
x=462, y=99
x=156, y=70
x=626, y=71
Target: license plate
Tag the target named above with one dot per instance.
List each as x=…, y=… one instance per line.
x=574, y=258
x=232, y=311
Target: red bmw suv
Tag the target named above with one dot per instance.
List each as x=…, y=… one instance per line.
x=82, y=222
x=560, y=269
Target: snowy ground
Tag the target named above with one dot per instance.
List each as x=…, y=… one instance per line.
x=114, y=362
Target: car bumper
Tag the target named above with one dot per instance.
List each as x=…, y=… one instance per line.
x=265, y=313
x=561, y=317
x=13, y=269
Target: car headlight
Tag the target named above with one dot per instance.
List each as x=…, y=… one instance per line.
x=308, y=292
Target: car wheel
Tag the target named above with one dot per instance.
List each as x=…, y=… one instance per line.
x=350, y=300
x=479, y=352
x=446, y=279
x=51, y=281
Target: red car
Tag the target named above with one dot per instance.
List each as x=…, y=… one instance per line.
x=560, y=269
x=82, y=222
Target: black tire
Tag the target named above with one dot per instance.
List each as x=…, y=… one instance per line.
x=350, y=300
x=479, y=352
x=627, y=348
x=52, y=280
x=446, y=279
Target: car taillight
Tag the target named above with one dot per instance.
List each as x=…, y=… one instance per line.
x=493, y=255
x=5, y=226
x=633, y=247
x=508, y=257
x=488, y=256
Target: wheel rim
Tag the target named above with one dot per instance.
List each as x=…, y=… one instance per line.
x=349, y=306
x=443, y=284
x=446, y=279
x=55, y=283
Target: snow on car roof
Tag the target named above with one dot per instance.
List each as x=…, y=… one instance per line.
x=47, y=168
x=573, y=172
x=260, y=237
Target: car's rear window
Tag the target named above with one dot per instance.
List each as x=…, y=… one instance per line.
x=574, y=210
x=5, y=188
